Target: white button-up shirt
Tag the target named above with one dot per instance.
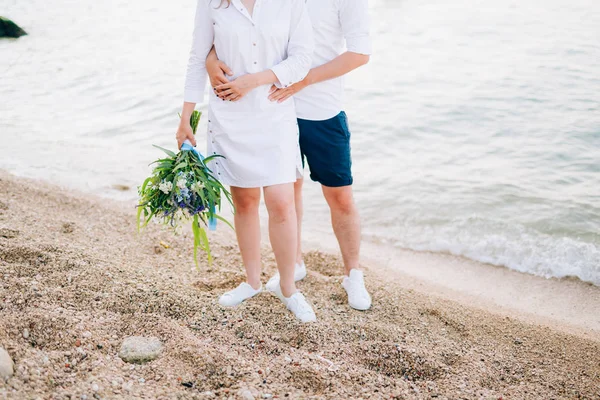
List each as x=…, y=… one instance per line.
x=277, y=36
x=257, y=137
x=334, y=22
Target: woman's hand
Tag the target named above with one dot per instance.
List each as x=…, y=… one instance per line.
x=185, y=132
x=238, y=88
x=281, y=95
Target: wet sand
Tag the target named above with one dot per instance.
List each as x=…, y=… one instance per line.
x=77, y=280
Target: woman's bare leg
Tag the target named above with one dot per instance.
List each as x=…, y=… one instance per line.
x=247, y=229
x=283, y=232
x=299, y=215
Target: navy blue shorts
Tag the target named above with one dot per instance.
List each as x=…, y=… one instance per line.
x=326, y=147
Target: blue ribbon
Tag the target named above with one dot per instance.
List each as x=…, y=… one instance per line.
x=186, y=146
x=212, y=221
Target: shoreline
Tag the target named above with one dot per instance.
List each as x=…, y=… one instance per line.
x=79, y=280
x=125, y=194
x=446, y=277
x=567, y=304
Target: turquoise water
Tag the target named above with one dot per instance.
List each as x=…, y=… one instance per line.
x=476, y=126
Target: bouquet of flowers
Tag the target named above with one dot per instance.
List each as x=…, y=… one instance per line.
x=181, y=188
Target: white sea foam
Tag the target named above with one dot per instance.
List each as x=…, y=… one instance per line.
x=512, y=246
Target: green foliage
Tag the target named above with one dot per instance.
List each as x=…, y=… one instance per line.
x=182, y=187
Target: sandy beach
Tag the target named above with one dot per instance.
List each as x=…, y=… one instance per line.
x=76, y=280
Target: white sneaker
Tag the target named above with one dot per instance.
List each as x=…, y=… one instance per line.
x=298, y=305
x=236, y=296
x=358, y=297
x=299, y=274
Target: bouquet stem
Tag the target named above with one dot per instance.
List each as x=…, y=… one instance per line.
x=200, y=240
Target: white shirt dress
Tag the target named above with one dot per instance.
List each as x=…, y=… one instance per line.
x=257, y=137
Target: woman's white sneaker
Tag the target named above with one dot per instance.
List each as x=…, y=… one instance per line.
x=358, y=297
x=299, y=274
x=297, y=304
x=236, y=296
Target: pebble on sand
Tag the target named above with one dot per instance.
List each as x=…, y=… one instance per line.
x=245, y=394
x=7, y=367
x=138, y=349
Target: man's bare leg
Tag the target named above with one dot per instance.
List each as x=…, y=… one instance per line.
x=346, y=223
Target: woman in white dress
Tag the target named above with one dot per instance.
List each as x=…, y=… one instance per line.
x=265, y=42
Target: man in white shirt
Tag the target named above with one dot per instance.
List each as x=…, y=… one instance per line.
x=323, y=126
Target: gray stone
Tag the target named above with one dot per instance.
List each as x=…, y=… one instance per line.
x=10, y=29
x=138, y=349
x=7, y=367
x=245, y=394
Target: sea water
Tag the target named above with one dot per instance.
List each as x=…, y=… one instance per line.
x=475, y=127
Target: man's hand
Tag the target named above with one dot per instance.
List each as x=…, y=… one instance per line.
x=281, y=95
x=218, y=73
x=217, y=70
x=238, y=88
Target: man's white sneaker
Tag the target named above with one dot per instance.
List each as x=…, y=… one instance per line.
x=236, y=296
x=298, y=305
x=358, y=297
x=299, y=274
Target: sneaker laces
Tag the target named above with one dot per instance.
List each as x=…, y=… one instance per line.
x=357, y=288
x=298, y=303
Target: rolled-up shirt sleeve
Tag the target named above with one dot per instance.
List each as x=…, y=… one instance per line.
x=354, y=18
x=202, y=42
x=300, y=48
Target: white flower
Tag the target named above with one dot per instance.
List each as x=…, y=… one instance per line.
x=165, y=187
x=197, y=187
x=181, y=183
